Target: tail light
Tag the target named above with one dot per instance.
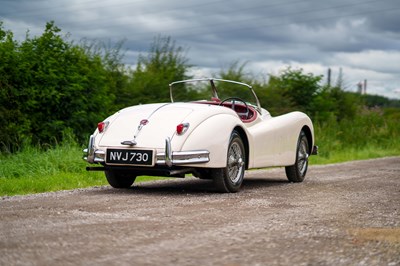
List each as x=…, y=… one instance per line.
x=102, y=126
x=182, y=128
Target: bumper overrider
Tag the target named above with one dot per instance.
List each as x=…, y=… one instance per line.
x=169, y=158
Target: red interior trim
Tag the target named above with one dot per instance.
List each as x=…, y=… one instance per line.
x=239, y=108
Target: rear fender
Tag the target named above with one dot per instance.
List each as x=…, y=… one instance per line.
x=213, y=135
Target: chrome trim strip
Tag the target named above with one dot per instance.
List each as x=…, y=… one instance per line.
x=142, y=123
x=184, y=157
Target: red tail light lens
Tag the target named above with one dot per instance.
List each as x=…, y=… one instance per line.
x=182, y=128
x=102, y=126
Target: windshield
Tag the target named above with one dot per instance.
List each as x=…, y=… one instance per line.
x=212, y=90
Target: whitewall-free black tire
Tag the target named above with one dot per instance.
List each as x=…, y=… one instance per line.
x=119, y=179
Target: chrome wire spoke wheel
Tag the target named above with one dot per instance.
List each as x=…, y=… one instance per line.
x=235, y=162
x=302, y=154
x=297, y=172
x=230, y=178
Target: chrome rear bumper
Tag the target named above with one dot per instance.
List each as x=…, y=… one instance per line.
x=168, y=157
x=93, y=156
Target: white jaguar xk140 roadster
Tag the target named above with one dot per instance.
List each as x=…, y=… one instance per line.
x=212, y=128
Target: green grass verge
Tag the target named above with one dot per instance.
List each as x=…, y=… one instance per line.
x=371, y=135
x=61, y=168
x=352, y=154
x=55, y=182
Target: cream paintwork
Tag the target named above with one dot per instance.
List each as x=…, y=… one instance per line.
x=213, y=135
x=275, y=140
x=272, y=140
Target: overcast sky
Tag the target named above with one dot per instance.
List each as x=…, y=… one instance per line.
x=361, y=37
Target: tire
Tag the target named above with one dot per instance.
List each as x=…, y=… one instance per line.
x=230, y=178
x=204, y=173
x=297, y=172
x=118, y=179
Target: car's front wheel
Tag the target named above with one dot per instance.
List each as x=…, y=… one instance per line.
x=297, y=172
x=119, y=179
x=230, y=178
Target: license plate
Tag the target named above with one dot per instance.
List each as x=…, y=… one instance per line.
x=130, y=157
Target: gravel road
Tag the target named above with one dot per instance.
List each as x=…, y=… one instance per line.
x=342, y=214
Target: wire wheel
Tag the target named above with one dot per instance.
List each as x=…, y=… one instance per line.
x=297, y=172
x=302, y=156
x=235, y=162
x=230, y=178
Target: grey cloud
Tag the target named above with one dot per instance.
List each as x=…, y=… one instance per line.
x=217, y=32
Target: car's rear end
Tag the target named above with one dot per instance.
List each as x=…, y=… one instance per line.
x=161, y=139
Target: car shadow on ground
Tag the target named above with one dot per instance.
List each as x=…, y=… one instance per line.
x=186, y=186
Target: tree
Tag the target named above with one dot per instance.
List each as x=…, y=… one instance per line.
x=164, y=64
x=50, y=86
x=300, y=88
x=291, y=90
x=116, y=73
x=14, y=125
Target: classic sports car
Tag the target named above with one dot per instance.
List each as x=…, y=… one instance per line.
x=217, y=137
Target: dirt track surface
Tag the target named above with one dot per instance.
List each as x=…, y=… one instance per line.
x=342, y=214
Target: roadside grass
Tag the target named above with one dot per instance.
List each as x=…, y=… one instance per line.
x=351, y=154
x=45, y=183
x=373, y=134
x=35, y=170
